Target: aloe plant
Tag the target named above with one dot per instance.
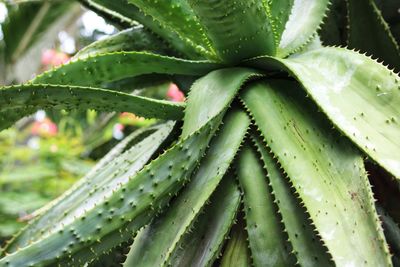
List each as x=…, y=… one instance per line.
x=262, y=165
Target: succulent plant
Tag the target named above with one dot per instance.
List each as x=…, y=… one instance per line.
x=264, y=164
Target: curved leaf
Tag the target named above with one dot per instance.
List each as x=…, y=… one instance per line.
x=278, y=11
x=369, y=32
x=159, y=239
x=306, y=245
x=21, y=100
x=266, y=237
x=132, y=39
x=201, y=246
x=223, y=85
x=304, y=20
x=114, y=219
x=113, y=169
x=237, y=29
x=96, y=70
x=122, y=11
x=326, y=171
x=360, y=96
x=177, y=16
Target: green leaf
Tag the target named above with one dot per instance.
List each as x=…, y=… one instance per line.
x=121, y=10
x=177, y=16
x=306, y=245
x=326, y=171
x=96, y=70
x=236, y=252
x=217, y=89
x=114, y=258
x=304, y=20
x=237, y=29
x=106, y=176
x=157, y=241
x=115, y=218
x=201, y=246
x=266, y=237
x=369, y=32
x=360, y=96
x=21, y=100
x=279, y=11
x=132, y=39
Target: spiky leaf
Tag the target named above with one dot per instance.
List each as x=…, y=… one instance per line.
x=101, y=68
x=21, y=100
x=108, y=175
x=360, y=96
x=304, y=20
x=307, y=248
x=237, y=29
x=159, y=239
x=177, y=16
x=325, y=169
x=200, y=246
x=266, y=237
x=132, y=39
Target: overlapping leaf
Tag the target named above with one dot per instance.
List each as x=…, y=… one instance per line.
x=158, y=240
x=360, y=96
x=96, y=70
x=266, y=237
x=200, y=246
x=114, y=169
x=326, y=171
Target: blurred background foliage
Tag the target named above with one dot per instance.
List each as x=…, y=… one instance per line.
x=45, y=153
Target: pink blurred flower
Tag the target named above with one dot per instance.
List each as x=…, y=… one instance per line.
x=174, y=94
x=44, y=128
x=52, y=58
x=47, y=56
